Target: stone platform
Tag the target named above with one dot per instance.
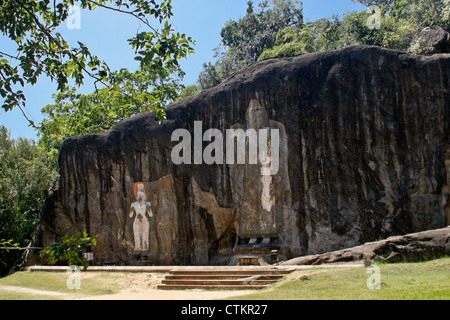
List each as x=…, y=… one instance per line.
x=205, y=277
x=161, y=269
x=167, y=269
x=237, y=279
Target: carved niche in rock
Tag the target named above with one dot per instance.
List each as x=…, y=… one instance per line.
x=265, y=220
x=155, y=222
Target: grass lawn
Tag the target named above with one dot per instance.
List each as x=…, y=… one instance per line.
x=92, y=284
x=401, y=281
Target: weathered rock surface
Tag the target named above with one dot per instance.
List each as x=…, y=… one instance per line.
x=364, y=154
x=414, y=247
x=434, y=40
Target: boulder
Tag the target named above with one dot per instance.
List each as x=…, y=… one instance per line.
x=414, y=247
x=434, y=40
x=362, y=154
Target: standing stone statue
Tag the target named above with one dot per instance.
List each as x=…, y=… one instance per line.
x=265, y=219
x=166, y=217
x=141, y=226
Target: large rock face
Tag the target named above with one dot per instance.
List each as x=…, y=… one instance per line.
x=363, y=154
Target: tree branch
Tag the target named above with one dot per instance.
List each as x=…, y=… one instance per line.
x=16, y=248
x=66, y=50
x=58, y=44
x=8, y=55
x=145, y=21
x=26, y=117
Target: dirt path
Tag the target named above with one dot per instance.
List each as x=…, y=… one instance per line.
x=135, y=290
x=35, y=291
x=131, y=286
x=143, y=286
x=154, y=294
x=146, y=293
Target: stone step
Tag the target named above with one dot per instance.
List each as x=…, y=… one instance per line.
x=247, y=273
x=222, y=277
x=216, y=279
x=218, y=282
x=210, y=287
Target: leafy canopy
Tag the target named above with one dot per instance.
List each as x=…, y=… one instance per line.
x=25, y=183
x=75, y=114
x=26, y=180
x=32, y=25
x=276, y=29
x=70, y=250
x=400, y=21
x=244, y=40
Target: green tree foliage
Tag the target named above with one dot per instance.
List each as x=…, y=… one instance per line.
x=25, y=183
x=292, y=41
x=421, y=13
x=276, y=29
x=8, y=244
x=75, y=114
x=70, y=250
x=243, y=41
x=27, y=170
x=189, y=91
x=400, y=21
x=214, y=73
x=32, y=25
x=248, y=37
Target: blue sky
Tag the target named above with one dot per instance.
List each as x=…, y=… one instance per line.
x=106, y=34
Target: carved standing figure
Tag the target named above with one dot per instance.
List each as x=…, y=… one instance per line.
x=141, y=225
x=166, y=217
x=262, y=192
